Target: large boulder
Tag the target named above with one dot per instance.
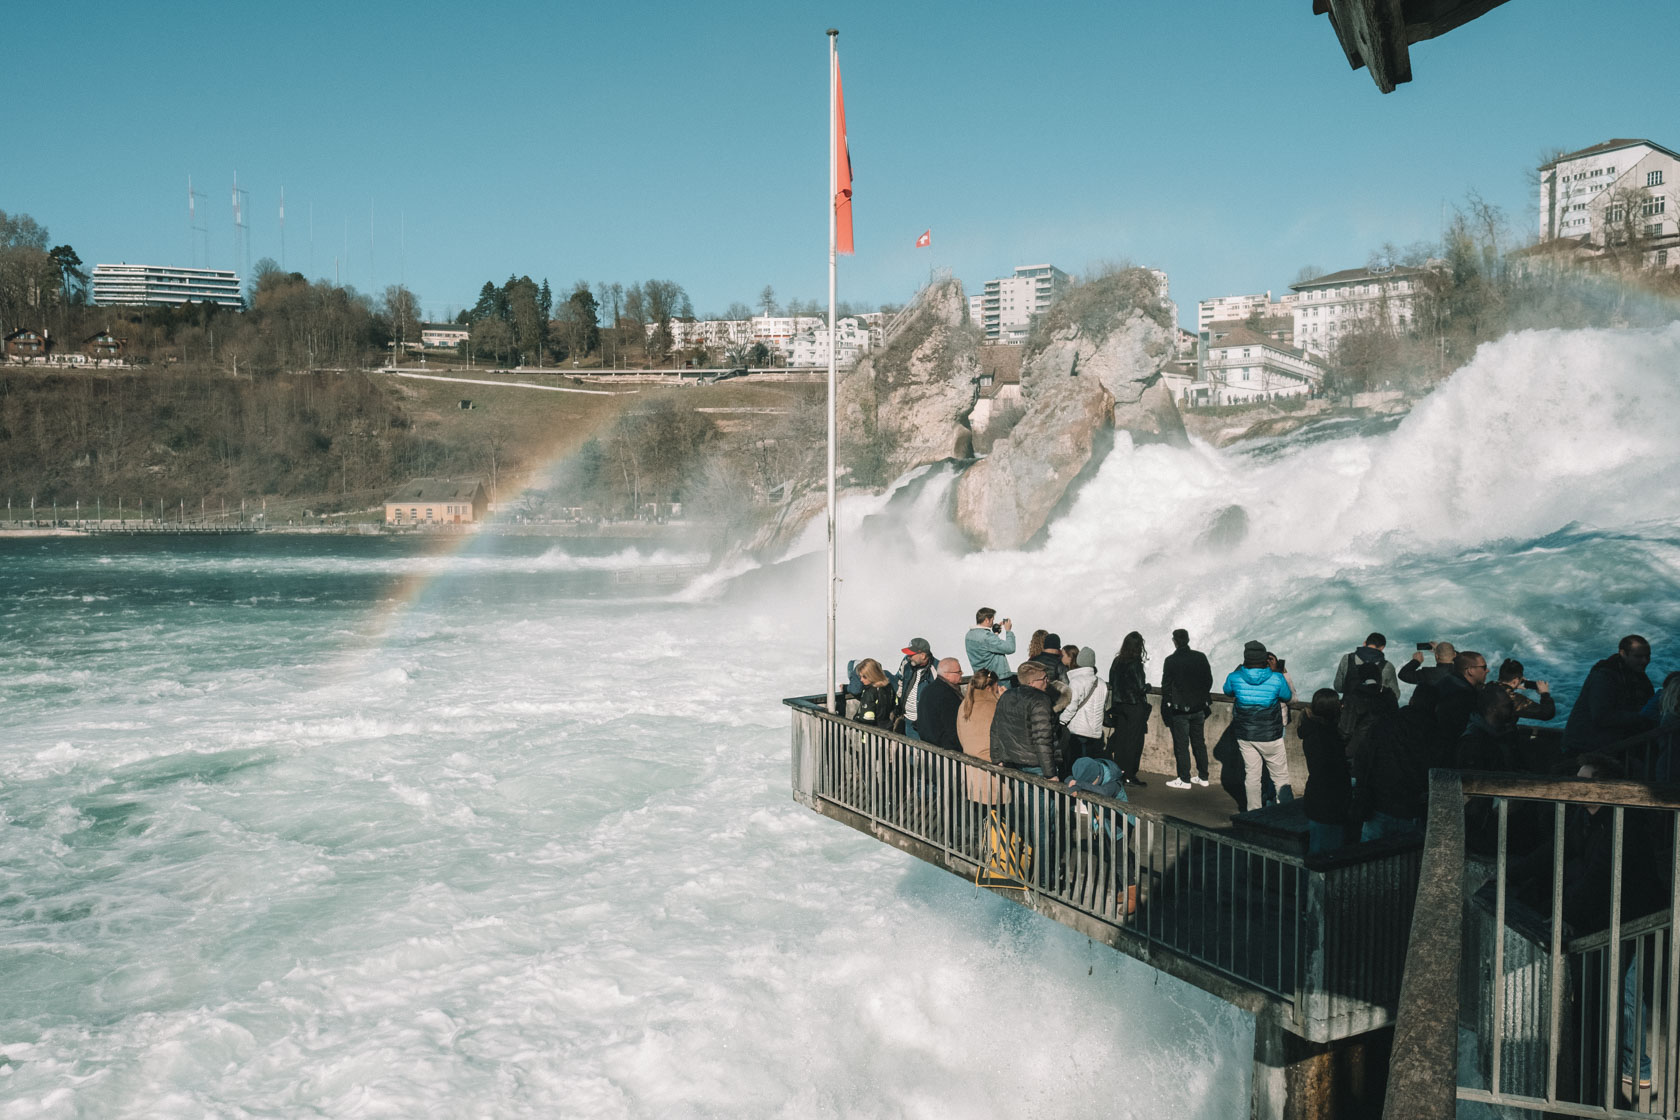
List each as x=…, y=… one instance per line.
x=1096, y=368
x=1005, y=499
x=908, y=404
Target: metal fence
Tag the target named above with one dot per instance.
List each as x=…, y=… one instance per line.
x=1570, y=973
x=1325, y=937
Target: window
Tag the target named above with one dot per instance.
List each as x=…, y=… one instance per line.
x=1662, y=258
x=1653, y=178
x=1653, y=229
x=1653, y=206
x=1613, y=214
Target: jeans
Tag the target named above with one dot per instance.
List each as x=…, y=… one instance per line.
x=1272, y=756
x=1636, y=1013
x=1381, y=825
x=910, y=730
x=1186, y=730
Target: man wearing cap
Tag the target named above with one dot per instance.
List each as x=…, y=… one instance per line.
x=1257, y=716
x=914, y=672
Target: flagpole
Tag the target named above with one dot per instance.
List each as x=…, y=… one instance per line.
x=833, y=193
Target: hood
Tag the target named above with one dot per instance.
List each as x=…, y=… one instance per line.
x=1366, y=653
x=1254, y=674
x=1082, y=670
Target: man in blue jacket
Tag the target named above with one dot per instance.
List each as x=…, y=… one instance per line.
x=988, y=648
x=1258, y=695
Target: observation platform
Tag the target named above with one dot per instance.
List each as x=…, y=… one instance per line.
x=1313, y=947
x=1393, y=979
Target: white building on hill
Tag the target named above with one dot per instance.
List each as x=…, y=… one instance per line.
x=809, y=348
x=1238, y=308
x=1331, y=306
x=148, y=285
x=1245, y=366
x=1611, y=193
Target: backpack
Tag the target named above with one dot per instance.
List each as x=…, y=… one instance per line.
x=1364, y=677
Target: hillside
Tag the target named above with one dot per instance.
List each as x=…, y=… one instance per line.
x=326, y=442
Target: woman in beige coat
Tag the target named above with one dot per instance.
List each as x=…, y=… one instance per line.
x=974, y=731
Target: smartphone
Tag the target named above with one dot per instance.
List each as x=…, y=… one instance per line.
x=1426, y=645
x=1281, y=664
x=1526, y=683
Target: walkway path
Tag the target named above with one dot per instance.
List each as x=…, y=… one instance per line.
x=511, y=384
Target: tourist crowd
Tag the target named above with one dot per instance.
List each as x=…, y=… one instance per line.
x=1368, y=754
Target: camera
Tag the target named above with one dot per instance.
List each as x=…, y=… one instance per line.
x=997, y=627
x=1426, y=645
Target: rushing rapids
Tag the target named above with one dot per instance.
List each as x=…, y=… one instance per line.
x=352, y=826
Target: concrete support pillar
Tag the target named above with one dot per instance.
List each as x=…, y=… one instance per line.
x=1299, y=1080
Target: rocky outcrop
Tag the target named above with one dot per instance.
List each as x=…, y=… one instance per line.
x=1092, y=375
x=908, y=404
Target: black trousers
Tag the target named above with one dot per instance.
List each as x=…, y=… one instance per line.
x=1186, y=730
x=1131, y=724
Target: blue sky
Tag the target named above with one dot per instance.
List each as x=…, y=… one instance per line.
x=1225, y=141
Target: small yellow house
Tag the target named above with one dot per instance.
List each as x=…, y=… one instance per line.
x=437, y=501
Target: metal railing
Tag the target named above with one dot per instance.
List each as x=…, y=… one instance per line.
x=1570, y=972
x=1325, y=937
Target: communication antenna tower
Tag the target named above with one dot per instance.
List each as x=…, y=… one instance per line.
x=241, y=231
x=194, y=230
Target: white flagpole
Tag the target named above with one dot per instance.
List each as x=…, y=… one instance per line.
x=833, y=191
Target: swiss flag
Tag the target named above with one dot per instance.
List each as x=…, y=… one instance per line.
x=925, y=239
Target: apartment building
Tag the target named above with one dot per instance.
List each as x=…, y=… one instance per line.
x=1589, y=193
x=1008, y=304
x=144, y=285
x=1331, y=306
x=810, y=348
x=1238, y=308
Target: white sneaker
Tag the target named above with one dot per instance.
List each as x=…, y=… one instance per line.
x=1178, y=783
x=1200, y=781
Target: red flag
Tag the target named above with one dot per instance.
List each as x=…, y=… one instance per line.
x=842, y=171
x=925, y=239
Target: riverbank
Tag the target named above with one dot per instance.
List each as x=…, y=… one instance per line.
x=670, y=532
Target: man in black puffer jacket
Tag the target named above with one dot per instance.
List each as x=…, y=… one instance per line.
x=1024, y=725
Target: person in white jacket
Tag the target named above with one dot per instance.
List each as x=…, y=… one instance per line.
x=1082, y=718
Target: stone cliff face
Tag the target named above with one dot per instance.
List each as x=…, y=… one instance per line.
x=1094, y=369
x=1091, y=376
x=909, y=403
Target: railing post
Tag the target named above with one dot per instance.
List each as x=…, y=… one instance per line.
x=1312, y=999
x=1423, y=1076
x=807, y=736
